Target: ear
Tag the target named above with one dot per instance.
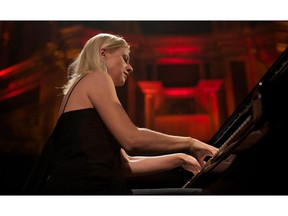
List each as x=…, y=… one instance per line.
x=103, y=52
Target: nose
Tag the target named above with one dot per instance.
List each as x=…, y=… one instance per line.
x=129, y=68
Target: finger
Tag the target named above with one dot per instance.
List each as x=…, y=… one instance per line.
x=196, y=171
x=202, y=163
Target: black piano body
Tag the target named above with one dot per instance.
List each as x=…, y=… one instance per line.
x=253, y=142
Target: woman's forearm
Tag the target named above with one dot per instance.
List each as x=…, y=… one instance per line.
x=149, y=142
x=135, y=166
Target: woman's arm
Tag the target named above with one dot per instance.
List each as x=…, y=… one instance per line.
x=141, y=165
x=136, y=141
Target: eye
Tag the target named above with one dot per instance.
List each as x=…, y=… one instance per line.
x=126, y=58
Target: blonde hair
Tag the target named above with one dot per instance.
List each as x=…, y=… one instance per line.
x=89, y=59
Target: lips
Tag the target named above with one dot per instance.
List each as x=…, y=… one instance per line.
x=126, y=74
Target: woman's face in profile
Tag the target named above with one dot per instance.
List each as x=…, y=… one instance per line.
x=118, y=65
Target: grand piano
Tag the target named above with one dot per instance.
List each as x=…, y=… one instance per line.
x=253, y=142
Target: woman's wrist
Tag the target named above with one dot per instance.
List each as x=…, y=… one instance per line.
x=181, y=159
x=189, y=148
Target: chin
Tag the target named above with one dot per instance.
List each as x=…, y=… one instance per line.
x=119, y=84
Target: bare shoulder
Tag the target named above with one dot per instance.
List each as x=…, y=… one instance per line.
x=97, y=79
x=98, y=83
x=97, y=76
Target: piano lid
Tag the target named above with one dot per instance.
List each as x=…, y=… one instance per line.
x=252, y=142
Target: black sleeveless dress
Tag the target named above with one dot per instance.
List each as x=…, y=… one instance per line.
x=80, y=157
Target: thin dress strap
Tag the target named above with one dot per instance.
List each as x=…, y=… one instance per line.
x=67, y=96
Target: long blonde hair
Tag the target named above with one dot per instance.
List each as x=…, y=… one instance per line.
x=89, y=58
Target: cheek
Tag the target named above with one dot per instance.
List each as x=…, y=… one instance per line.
x=115, y=73
x=113, y=65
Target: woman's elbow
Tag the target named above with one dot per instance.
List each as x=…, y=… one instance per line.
x=132, y=145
